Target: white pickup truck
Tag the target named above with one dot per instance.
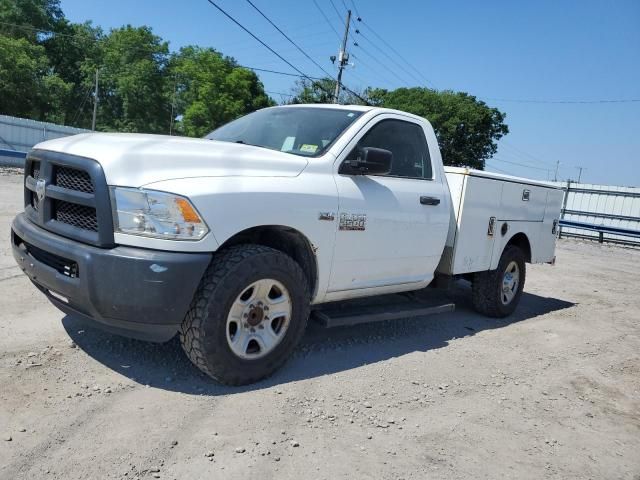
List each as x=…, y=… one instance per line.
x=234, y=240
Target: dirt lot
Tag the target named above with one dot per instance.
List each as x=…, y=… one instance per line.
x=552, y=392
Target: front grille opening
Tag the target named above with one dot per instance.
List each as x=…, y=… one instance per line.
x=34, y=201
x=35, y=169
x=73, y=179
x=76, y=215
x=62, y=265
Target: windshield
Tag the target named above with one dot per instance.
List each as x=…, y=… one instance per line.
x=298, y=130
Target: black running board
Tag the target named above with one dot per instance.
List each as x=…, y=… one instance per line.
x=340, y=315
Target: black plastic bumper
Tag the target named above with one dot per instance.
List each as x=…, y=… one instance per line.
x=133, y=292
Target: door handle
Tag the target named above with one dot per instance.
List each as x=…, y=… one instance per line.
x=429, y=200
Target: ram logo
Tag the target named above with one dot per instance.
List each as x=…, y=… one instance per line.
x=353, y=221
x=41, y=188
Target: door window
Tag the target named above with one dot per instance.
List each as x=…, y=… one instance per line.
x=407, y=143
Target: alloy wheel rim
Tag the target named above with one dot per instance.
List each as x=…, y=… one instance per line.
x=510, y=283
x=258, y=319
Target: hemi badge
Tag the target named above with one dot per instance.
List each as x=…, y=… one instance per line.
x=329, y=216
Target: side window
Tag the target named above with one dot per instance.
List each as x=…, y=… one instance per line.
x=407, y=143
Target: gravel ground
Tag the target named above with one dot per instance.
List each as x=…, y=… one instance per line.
x=551, y=392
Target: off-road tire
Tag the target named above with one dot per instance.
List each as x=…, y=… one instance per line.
x=203, y=331
x=487, y=286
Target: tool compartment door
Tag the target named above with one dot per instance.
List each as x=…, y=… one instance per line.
x=479, y=200
x=522, y=202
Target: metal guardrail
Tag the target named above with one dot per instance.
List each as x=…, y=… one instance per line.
x=601, y=229
x=601, y=212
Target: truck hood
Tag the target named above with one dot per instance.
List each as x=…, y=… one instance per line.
x=134, y=160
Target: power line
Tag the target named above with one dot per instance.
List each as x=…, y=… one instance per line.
x=387, y=56
x=358, y=62
x=221, y=10
x=288, y=38
x=335, y=9
x=565, y=102
x=84, y=100
x=279, y=93
x=522, y=153
x=519, y=164
x=355, y=8
x=302, y=74
x=499, y=170
x=374, y=45
x=372, y=57
x=326, y=19
x=277, y=72
x=372, y=30
x=40, y=30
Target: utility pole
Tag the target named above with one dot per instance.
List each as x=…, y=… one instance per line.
x=580, y=172
x=343, y=57
x=555, y=177
x=95, y=103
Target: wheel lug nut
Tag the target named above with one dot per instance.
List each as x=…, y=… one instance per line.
x=245, y=315
x=261, y=327
x=253, y=330
x=266, y=308
x=246, y=325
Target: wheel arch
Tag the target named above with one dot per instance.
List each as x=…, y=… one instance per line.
x=287, y=240
x=521, y=241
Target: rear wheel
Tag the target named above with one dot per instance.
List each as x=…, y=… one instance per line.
x=496, y=293
x=248, y=314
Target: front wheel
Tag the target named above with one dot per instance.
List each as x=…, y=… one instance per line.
x=248, y=314
x=496, y=293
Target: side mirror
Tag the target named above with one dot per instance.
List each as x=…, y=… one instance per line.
x=370, y=161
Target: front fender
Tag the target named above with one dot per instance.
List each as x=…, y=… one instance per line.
x=231, y=205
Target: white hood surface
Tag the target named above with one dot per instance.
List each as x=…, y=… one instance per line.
x=130, y=159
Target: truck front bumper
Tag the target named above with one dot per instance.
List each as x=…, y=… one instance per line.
x=134, y=292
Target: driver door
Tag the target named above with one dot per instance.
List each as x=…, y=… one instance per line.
x=392, y=228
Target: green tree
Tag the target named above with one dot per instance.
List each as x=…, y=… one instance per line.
x=322, y=91
x=73, y=54
x=209, y=89
x=313, y=91
x=29, y=19
x=27, y=86
x=467, y=128
x=132, y=94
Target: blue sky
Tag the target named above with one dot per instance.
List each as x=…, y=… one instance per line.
x=497, y=50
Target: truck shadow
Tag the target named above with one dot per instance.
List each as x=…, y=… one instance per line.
x=321, y=352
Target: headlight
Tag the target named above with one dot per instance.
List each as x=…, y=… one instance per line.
x=156, y=214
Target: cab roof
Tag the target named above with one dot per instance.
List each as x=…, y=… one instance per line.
x=356, y=108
